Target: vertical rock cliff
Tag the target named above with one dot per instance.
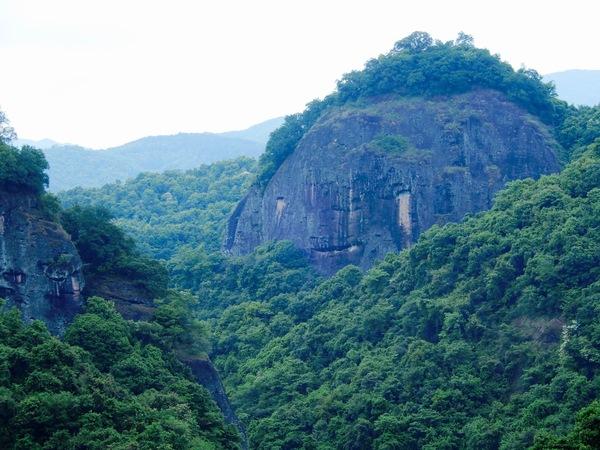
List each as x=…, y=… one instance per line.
x=368, y=178
x=40, y=267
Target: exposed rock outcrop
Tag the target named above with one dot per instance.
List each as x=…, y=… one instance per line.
x=39, y=265
x=348, y=196
x=131, y=300
x=206, y=374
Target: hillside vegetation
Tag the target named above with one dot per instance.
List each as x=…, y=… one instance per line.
x=166, y=212
x=109, y=384
x=482, y=335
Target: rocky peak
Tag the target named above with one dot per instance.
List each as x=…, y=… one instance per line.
x=369, y=177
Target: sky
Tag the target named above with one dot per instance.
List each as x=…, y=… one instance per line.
x=102, y=73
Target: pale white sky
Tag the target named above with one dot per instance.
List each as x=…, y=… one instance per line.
x=100, y=73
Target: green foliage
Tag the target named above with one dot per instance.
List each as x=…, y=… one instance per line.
x=418, y=66
x=483, y=335
x=188, y=336
x=163, y=212
x=102, y=332
x=22, y=170
x=7, y=133
x=585, y=434
x=106, y=386
x=393, y=144
x=579, y=129
x=106, y=250
x=218, y=281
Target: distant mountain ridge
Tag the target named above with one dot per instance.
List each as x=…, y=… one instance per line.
x=72, y=165
x=258, y=133
x=580, y=87
x=42, y=144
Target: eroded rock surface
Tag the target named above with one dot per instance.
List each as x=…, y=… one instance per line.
x=39, y=265
x=205, y=373
x=347, y=198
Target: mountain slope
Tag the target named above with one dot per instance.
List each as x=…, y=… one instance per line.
x=483, y=335
x=75, y=166
x=580, y=87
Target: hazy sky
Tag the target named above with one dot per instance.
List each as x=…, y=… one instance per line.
x=100, y=73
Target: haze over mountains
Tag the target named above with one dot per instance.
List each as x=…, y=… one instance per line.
x=71, y=165
x=579, y=87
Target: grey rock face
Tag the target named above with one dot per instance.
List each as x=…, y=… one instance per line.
x=39, y=266
x=205, y=373
x=346, y=197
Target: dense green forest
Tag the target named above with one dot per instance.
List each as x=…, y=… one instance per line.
x=485, y=334
x=165, y=212
x=109, y=384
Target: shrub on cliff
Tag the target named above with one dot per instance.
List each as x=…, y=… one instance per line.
x=106, y=250
x=22, y=170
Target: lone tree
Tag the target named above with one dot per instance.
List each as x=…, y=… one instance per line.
x=7, y=133
x=465, y=40
x=414, y=43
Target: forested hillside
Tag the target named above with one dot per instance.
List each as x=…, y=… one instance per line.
x=482, y=335
x=165, y=212
x=110, y=383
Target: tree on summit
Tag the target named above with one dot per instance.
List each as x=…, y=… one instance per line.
x=415, y=42
x=464, y=40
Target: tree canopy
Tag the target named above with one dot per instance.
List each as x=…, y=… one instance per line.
x=109, y=384
x=22, y=170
